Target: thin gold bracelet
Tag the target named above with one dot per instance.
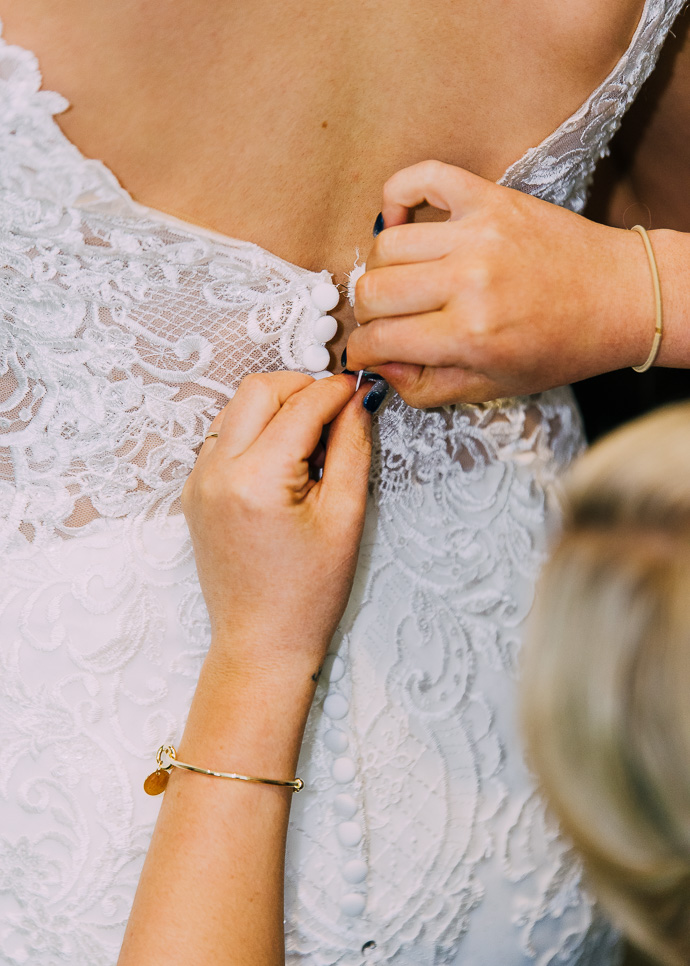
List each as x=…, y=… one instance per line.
x=659, y=328
x=158, y=780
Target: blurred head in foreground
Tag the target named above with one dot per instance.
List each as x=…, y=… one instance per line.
x=606, y=692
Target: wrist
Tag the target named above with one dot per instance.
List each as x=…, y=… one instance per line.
x=627, y=299
x=672, y=251
x=247, y=717
x=265, y=660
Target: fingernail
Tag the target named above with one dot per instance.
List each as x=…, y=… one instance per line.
x=375, y=396
x=343, y=358
x=378, y=224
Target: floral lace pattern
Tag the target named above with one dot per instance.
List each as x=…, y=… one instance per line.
x=122, y=336
x=115, y=430
x=419, y=838
x=560, y=169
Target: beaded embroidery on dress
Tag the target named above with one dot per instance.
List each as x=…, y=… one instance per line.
x=419, y=838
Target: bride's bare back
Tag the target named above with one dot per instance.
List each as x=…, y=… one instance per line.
x=279, y=123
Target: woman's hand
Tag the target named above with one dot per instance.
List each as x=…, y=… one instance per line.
x=276, y=550
x=276, y=553
x=510, y=296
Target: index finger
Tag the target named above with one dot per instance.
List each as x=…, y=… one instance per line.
x=259, y=397
x=405, y=244
x=430, y=339
x=295, y=430
x=441, y=185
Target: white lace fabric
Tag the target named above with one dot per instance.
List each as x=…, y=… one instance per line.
x=125, y=339
x=419, y=838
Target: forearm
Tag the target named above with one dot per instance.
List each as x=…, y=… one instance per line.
x=646, y=180
x=273, y=549
x=672, y=251
x=622, y=209
x=211, y=891
x=620, y=300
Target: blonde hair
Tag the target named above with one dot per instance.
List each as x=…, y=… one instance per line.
x=606, y=678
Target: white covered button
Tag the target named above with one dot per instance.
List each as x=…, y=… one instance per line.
x=350, y=833
x=353, y=904
x=343, y=770
x=325, y=296
x=355, y=871
x=336, y=741
x=335, y=706
x=345, y=805
x=325, y=328
x=324, y=374
x=316, y=358
x=333, y=667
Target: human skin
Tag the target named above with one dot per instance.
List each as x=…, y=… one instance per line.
x=646, y=177
x=515, y=296
x=510, y=296
x=280, y=123
x=280, y=145
x=276, y=553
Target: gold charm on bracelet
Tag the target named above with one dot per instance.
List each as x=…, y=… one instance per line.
x=157, y=782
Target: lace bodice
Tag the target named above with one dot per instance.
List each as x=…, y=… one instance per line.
x=420, y=838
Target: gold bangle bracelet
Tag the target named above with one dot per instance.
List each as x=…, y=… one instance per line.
x=659, y=327
x=158, y=780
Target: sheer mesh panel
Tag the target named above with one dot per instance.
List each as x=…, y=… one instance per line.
x=123, y=339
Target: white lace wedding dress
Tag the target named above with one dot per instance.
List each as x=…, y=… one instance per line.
x=419, y=839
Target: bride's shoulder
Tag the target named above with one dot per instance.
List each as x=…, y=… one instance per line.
x=653, y=150
x=594, y=29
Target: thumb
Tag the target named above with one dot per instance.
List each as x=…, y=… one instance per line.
x=425, y=387
x=441, y=185
x=344, y=485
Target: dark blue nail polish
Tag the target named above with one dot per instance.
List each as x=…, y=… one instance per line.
x=343, y=358
x=378, y=224
x=375, y=396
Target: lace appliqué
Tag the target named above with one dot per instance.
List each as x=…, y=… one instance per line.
x=123, y=332
x=560, y=169
x=121, y=337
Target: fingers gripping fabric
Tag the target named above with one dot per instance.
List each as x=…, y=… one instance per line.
x=419, y=836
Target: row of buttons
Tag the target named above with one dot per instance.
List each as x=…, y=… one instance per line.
x=343, y=771
x=316, y=357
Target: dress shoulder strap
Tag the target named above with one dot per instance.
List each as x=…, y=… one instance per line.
x=560, y=169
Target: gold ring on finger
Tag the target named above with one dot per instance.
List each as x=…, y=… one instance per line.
x=210, y=436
